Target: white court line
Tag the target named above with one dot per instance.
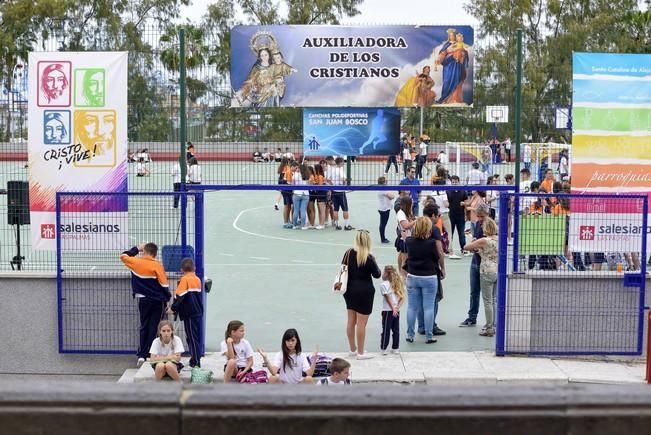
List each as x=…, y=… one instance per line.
x=260, y=258
x=270, y=265
x=225, y=255
x=301, y=261
x=266, y=236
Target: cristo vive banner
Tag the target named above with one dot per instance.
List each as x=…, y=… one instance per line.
x=611, y=149
x=351, y=132
x=78, y=143
x=346, y=66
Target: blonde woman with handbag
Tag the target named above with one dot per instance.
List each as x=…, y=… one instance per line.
x=362, y=268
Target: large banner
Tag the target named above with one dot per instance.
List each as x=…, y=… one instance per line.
x=78, y=143
x=351, y=132
x=611, y=148
x=345, y=66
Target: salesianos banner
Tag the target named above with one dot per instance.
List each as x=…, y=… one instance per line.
x=351, y=132
x=346, y=66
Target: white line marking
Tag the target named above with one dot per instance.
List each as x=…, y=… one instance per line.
x=225, y=255
x=265, y=236
x=301, y=261
x=260, y=258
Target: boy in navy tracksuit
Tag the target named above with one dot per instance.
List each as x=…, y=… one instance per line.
x=188, y=304
x=149, y=285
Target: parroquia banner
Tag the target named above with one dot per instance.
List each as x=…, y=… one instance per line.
x=78, y=143
x=611, y=149
x=345, y=66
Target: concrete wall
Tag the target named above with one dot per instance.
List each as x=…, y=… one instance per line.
x=166, y=407
x=572, y=311
x=30, y=331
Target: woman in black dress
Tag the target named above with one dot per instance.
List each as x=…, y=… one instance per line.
x=360, y=292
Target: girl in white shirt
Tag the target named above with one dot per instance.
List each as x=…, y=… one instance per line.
x=290, y=366
x=238, y=352
x=165, y=352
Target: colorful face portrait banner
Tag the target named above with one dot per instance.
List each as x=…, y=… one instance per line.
x=611, y=122
x=78, y=143
x=351, y=132
x=346, y=66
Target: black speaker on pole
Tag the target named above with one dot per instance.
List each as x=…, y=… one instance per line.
x=17, y=202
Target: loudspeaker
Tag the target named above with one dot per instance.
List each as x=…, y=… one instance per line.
x=18, y=202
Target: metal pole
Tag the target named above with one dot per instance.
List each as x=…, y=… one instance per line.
x=183, y=138
x=422, y=116
x=182, y=97
x=518, y=109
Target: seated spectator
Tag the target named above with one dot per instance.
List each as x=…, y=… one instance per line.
x=257, y=157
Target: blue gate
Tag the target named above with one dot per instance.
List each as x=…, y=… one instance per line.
x=96, y=311
x=572, y=280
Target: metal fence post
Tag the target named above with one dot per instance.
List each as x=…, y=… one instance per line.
x=199, y=259
x=502, y=271
x=643, y=264
x=518, y=109
x=59, y=271
x=183, y=138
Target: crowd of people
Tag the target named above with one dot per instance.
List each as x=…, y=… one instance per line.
x=162, y=349
x=422, y=243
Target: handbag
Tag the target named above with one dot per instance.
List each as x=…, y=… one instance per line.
x=257, y=377
x=341, y=278
x=201, y=376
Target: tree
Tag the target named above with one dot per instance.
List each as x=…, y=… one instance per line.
x=22, y=22
x=553, y=29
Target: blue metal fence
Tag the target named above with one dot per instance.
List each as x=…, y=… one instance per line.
x=96, y=311
x=573, y=280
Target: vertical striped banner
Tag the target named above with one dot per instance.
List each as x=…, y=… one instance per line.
x=611, y=144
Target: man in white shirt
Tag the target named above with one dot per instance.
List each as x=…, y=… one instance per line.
x=336, y=176
x=507, y=148
x=406, y=157
x=421, y=159
x=475, y=177
x=443, y=159
x=525, y=187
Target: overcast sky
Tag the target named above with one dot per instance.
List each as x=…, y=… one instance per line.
x=383, y=12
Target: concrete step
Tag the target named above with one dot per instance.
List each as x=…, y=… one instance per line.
x=448, y=368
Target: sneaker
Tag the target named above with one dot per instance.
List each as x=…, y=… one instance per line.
x=306, y=228
x=348, y=228
x=319, y=227
x=410, y=339
x=361, y=356
x=352, y=353
x=337, y=228
x=395, y=351
x=454, y=257
x=510, y=243
x=288, y=226
x=430, y=341
x=385, y=352
x=438, y=331
x=386, y=241
x=467, y=253
x=468, y=322
x=489, y=332
x=140, y=362
x=276, y=207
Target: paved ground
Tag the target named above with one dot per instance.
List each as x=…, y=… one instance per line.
x=273, y=279
x=456, y=368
